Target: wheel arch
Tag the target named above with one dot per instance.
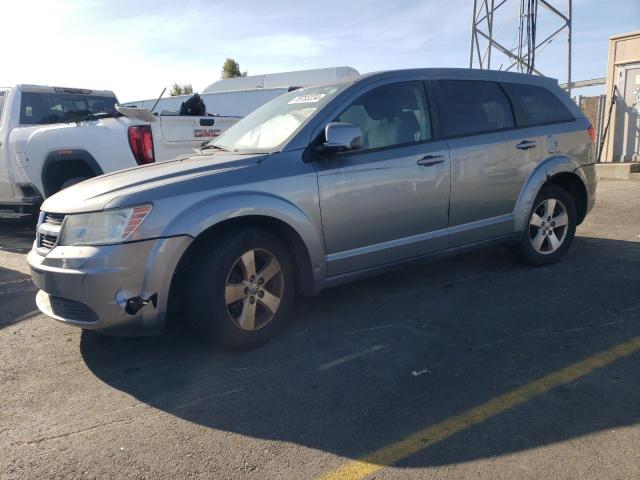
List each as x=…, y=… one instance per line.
x=560, y=171
x=287, y=222
x=64, y=164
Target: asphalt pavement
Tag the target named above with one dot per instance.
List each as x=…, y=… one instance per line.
x=471, y=367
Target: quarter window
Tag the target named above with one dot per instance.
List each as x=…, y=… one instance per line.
x=472, y=107
x=538, y=104
x=391, y=115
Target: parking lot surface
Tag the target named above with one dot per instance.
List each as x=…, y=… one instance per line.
x=472, y=367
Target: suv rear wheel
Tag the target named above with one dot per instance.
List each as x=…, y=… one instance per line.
x=242, y=289
x=551, y=227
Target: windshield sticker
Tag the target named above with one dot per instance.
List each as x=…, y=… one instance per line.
x=309, y=98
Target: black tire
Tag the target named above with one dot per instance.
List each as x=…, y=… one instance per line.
x=525, y=250
x=72, y=181
x=206, y=306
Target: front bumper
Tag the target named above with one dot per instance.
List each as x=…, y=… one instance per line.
x=89, y=287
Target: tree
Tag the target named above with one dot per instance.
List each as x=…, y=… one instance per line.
x=177, y=89
x=231, y=69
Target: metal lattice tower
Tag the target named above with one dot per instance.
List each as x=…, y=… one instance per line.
x=490, y=44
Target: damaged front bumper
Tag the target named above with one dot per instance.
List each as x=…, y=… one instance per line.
x=118, y=289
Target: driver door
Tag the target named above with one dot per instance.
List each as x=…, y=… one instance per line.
x=388, y=201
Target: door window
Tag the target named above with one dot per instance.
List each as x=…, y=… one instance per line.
x=473, y=106
x=390, y=115
x=538, y=104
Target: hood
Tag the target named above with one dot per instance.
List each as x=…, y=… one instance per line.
x=144, y=183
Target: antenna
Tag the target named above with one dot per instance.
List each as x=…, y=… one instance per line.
x=489, y=24
x=156, y=104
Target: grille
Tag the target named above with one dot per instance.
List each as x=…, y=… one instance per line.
x=53, y=219
x=49, y=230
x=72, y=310
x=47, y=241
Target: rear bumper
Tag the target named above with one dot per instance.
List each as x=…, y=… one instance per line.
x=27, y=202
x=89, y=287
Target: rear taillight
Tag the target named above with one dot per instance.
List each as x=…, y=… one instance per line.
x=141, y=143
x=592, y=133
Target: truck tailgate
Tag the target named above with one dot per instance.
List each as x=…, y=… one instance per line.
x=193, y=129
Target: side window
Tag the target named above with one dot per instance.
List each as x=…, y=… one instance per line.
x=538, y=104
x=473, y=106
x=391, y=115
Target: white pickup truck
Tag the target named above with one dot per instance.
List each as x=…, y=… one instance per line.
x=52, y=137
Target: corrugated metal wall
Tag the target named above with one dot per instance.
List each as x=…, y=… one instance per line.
x=595, y=110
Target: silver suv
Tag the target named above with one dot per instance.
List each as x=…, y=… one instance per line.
x=318, y=187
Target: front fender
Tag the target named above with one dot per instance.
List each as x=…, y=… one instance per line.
x=211, y=211
x=540, y=175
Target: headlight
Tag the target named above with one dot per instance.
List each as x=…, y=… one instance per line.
x=110, y=226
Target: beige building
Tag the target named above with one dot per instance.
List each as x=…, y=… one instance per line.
x=623, y=72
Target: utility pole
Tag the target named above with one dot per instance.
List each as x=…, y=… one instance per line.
x=489, y=36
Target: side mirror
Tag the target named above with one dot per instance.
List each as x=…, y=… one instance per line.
x=340, y=137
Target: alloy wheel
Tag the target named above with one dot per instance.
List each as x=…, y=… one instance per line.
x=548, y=226
x=254, y=289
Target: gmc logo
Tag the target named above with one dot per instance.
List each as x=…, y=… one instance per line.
x=208, y=133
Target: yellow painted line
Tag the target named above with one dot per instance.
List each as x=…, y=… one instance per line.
x=422, y=439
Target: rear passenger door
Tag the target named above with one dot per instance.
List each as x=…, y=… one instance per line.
x=542, y=118
x=489, y=161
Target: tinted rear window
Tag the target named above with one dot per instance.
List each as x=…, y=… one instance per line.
x=46, y=108
x=472, y=107
x=538, y=104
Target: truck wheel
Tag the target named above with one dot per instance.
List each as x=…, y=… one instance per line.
x=551, y=227
x=72, y=181
x=242, y=289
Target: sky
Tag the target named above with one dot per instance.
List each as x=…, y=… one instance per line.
x=138, y=48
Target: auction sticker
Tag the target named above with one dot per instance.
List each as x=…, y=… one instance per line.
x=309, y=98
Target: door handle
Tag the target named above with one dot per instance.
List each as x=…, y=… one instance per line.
x=526, y=145
x=429, y=160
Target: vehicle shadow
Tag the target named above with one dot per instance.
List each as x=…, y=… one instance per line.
x=17, y=235
x=17, y=297
x=366, y=364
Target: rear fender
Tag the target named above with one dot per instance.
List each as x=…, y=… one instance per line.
x=543, y=172
x=58, y=158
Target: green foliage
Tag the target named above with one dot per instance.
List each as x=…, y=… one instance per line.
x=185, y=89
x=231, y=69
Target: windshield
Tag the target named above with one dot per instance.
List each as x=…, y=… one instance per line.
x=42, y=108
x=271, y=125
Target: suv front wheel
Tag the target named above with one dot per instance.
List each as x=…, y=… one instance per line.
x=242, y=289
x=550, y=229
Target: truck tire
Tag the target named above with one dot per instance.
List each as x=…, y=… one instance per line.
x=242, y=289
x=72, y=181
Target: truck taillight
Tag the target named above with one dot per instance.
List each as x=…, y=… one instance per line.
x=592, y=133
x=141, y=143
